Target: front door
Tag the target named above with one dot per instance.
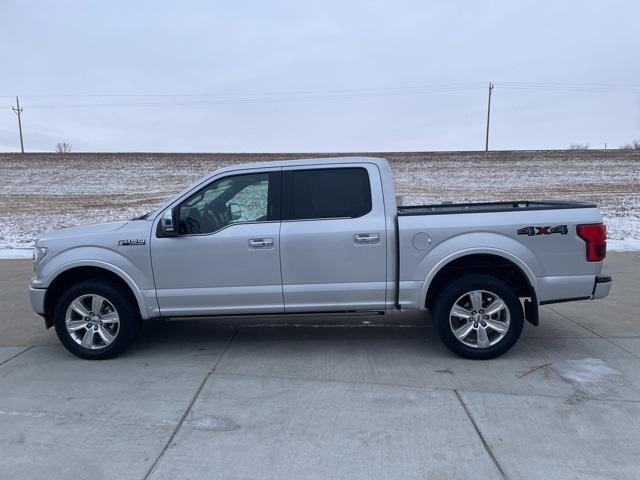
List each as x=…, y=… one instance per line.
x=333, y=238
x=226, y=257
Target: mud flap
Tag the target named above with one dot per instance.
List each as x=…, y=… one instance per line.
x=531, y=312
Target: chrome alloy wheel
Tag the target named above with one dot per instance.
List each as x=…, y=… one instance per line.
x=479, y=319
x=92, y=321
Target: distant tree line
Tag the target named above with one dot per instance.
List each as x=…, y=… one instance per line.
x=63, y=147
x=579, y=146
x=635, y=145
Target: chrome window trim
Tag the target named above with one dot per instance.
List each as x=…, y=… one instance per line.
x=184, y=235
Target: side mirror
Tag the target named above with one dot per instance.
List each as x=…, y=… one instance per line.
x=169, y=222
x=235, y=212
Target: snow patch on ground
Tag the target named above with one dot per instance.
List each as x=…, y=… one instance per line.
x=586, y=374
x=14, y=253
x=212, y=423
x=629, y=245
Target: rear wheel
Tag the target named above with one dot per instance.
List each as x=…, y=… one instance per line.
x=95, y=320
x=478, y=316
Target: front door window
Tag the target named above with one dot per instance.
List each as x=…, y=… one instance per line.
x=236, y=199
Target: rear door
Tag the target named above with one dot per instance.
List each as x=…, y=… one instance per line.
x=332, y=238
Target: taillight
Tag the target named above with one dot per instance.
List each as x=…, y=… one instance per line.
x=595, y=235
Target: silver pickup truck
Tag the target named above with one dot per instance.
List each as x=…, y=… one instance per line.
x=318, y=235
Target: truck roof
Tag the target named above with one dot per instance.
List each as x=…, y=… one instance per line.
x=304, y=161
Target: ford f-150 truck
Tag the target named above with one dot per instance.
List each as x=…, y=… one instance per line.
x=318, y=235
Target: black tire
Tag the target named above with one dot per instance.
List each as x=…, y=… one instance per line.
x=456, y=289
x=125, y=305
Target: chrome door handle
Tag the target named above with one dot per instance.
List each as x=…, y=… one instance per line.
x=261, y=243
x=366, y=238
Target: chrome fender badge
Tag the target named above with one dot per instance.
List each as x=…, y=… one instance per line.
x=131, y=242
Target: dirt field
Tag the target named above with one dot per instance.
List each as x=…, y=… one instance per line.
x=44, y=191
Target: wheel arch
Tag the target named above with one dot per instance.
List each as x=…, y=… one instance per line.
x=498, y=263
x=77, y=273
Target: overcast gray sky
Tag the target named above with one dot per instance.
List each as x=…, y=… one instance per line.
x=319, y=76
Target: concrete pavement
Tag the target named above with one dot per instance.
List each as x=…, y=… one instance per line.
x=325, y=397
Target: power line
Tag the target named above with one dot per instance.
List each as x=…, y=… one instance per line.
x=197, y=99
x=254, y=100
x=598, y=87
x=274, y=93
x=579, y=84
x=571, y=87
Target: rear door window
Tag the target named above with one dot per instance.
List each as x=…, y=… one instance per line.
x=326, y=193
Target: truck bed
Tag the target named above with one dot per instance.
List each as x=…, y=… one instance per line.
x=514, y=206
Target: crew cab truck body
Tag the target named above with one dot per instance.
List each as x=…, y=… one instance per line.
x=318, y=235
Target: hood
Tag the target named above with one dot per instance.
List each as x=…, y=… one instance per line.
x=82, y=230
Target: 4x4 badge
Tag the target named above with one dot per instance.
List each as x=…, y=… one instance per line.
x=531, y=231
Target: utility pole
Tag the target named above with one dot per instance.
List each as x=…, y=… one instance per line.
x=18, y=111
x=486, y=143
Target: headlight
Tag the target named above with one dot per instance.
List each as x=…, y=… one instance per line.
x=38, y=254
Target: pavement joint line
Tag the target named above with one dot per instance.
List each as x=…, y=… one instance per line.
x=621, y=347
x=548, y=307
x=16, y=355
x=596, y=333
x=427, y=388
x=485, y=444
x=188, y=409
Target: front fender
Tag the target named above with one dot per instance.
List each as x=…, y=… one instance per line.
x=483, y=243
x=137, y=279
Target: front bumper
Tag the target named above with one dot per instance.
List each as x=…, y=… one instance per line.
x=36, y=295
x=601, y=286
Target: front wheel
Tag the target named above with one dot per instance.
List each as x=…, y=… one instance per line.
x=96, y=320
x=478, y=316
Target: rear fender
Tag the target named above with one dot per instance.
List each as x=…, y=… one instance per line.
x=483, y=243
